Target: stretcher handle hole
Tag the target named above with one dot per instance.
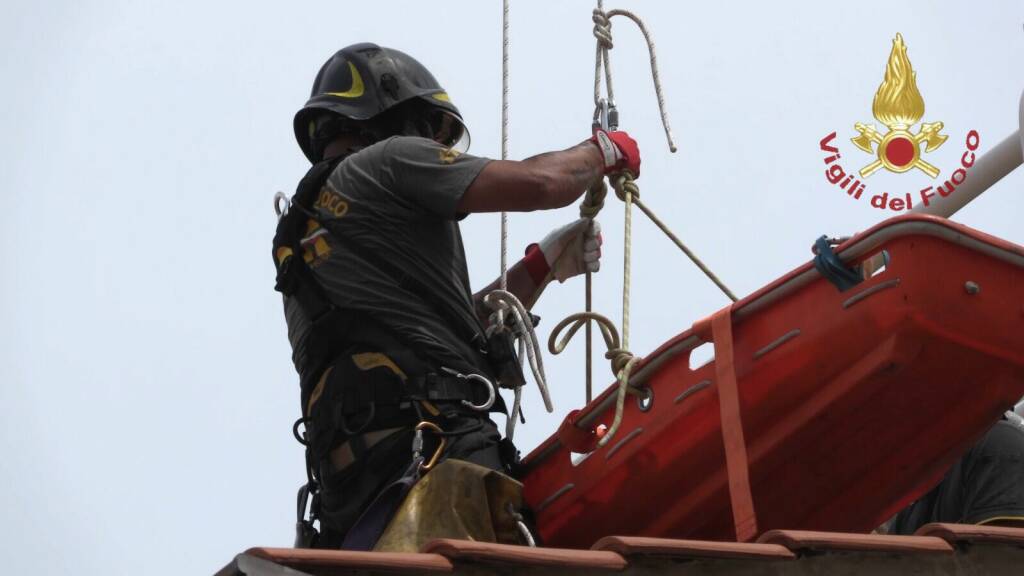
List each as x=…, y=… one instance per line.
x=875, y=264
x=645, y=398
x=702, y=355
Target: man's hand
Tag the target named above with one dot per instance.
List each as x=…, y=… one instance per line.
x=619, y=151
x=573, y=249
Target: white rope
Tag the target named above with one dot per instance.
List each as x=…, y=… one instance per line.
x=504, y=144
x=603, y=34
x=622, y=360
x=502, y=300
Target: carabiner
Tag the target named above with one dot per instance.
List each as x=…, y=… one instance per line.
x=606, y=116
x=418, y=444
x=601, y=115
x=492, y=394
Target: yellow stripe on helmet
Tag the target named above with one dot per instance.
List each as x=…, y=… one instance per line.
x=357, y=88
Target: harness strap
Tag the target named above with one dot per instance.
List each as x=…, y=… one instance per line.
x=383, y=389
x=744, y=516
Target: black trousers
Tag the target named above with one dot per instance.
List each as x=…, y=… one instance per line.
x=346, y=493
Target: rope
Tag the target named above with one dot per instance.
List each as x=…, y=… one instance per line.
x=689, y=253
x=504, y=144
x=592, y=204
x=626, y=189
x=603, y=34
x=502, y=300
x=622, y=360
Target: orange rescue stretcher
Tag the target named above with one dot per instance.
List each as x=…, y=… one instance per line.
x=822, y=410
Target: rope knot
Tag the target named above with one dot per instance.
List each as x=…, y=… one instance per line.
x=602, y=29
x=620, y=358
x=593, y=202
x=624, y=183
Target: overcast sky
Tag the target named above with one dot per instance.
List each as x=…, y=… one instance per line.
x=147, y=392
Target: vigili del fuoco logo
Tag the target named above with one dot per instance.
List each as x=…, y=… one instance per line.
x=899, y=147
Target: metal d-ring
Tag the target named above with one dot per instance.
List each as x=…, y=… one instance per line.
x=492, y=394
x=281, y=204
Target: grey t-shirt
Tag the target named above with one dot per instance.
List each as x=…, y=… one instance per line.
x=396, y=200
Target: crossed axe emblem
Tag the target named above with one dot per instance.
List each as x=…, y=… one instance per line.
x=899, y=150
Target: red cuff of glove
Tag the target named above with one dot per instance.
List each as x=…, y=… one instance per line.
x=536, y=264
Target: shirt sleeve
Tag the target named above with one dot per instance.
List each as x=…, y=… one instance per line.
x=428, y=174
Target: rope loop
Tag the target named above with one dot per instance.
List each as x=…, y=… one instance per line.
x=603, y=34
x=505, y=302
x=622, y=360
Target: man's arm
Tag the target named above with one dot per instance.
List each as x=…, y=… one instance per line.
x=545, y=181
x=551, y=180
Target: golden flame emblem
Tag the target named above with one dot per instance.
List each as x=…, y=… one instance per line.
x=898, y=104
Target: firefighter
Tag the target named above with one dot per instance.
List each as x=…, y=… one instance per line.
x=384, y=329
x=985, y=486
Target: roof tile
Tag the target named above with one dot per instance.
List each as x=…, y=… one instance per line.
x=304, y=559
x=629, y=546
x=957, y=533
x=805, y=540
x=484, y=552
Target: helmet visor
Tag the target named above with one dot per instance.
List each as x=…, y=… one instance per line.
x=451, y=132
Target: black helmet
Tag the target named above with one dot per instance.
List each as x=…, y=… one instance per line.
x=362, y=81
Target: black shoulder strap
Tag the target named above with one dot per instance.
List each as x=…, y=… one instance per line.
x=294, y=278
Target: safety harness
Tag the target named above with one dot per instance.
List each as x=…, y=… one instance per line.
x=379, y=398
x=332, y=326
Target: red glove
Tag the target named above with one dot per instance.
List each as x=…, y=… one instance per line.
x=620, y=152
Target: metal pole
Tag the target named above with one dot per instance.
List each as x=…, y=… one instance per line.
x=987, y=170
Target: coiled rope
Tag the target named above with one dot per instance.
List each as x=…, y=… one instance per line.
x=505, y=302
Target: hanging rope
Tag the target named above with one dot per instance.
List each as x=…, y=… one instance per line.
x=622, y=360
x=504, y=143
x=689, y=253
x=626, y=190
x=502, y=301
x=603, y=33
x=589, y=208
